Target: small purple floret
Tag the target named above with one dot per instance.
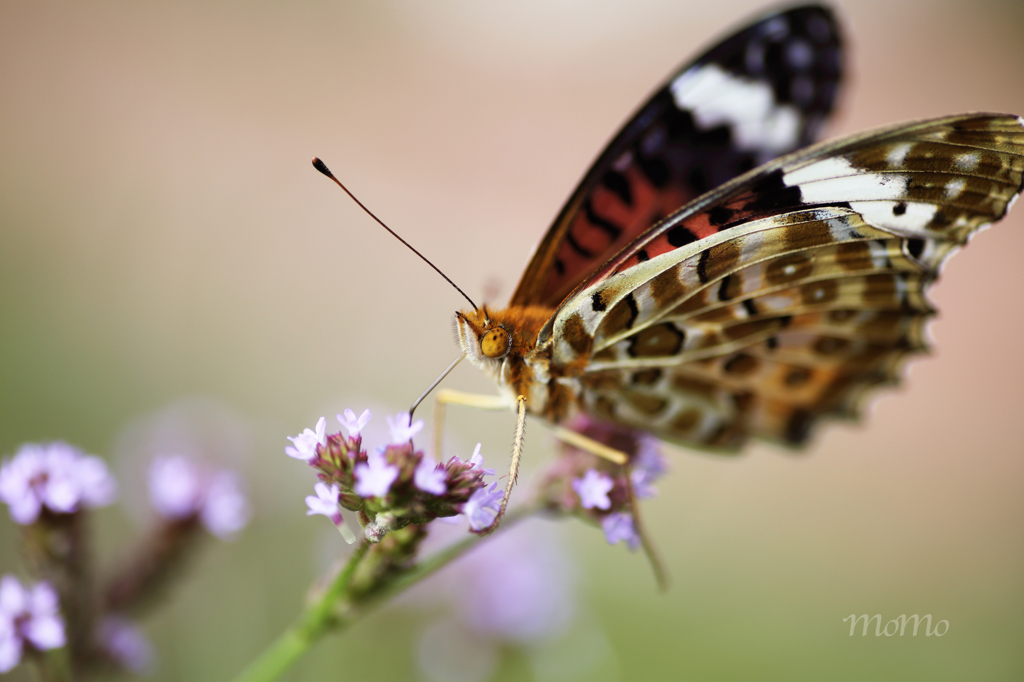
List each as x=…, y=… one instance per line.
x=648, y=466
x=477, y=460
x=401, y=430
x=325, y=502
x=430, y=477
x=374, y=478
x=593, y=489
x=126, y=644
x=27, y=617
x=304, y=445
x=618, y=527
x=482, y=507
x=352, y=423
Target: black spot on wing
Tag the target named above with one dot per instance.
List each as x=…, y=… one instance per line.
x=915, y=247
x=720, y=215
x=771, y=193
x=576, y=246
x=702, y=266
x=798, y=426
x=605, y=225
x=656, y=169
x=642, y=256
x=941, y=220
x=698, y=180
x=617, y=183
x=680, y=236
x=724, y=292
x=597, y=303
x=634, y=311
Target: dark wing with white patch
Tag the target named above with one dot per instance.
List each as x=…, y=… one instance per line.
x=761, y=93
x=792, y=290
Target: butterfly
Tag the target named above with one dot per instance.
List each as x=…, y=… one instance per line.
x=713, y=278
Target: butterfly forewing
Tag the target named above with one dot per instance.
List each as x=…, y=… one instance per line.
x=787, y=293
x=760, y=93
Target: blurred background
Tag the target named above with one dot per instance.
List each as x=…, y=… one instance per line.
x=170, y=263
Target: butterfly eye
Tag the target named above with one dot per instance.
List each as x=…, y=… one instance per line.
x=495, y=343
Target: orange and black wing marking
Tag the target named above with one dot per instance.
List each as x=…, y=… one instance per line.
x=763, y=92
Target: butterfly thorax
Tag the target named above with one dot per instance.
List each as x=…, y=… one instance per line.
x=503, y=343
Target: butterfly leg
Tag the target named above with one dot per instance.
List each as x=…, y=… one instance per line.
x=653, y=556
x=447, y=397
x=594, y=447
x=513, y=471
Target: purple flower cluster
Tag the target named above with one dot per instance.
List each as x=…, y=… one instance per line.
x=28, y=617
x=55, y=478
x=390, y=486
x=593, y=488
x=50, y=488
x=181, y=489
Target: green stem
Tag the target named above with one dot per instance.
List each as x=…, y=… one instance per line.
x=322, y=615
x=298, y=638
x=54, y=666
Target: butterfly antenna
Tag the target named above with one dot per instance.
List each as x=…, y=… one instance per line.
x=319, y=165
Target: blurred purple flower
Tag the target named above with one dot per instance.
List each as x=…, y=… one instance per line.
x=519, y=589
x=648, y=466
x=225, y=509
x=401, y=430
x=649, y=457
x=374, y=478
x=180, y=489
x=27, y=617
x=325, y=502
x=593, y=489
x=619, y=526
x=56, y=476
x=305, y=443
x=482, y=507
x=175, y=487
x=352, y=423
x=642, y=484
x=126, y=644
x=429, y=476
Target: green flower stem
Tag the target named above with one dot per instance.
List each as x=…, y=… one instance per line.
x=298, y=638
x=54, y=665
x=322, y=615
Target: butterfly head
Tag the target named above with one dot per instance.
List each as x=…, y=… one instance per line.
x=484, y=340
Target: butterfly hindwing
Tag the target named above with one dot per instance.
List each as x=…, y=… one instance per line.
x=760, y=93
x=800, y=285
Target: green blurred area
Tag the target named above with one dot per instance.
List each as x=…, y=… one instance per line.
x=163, y=238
